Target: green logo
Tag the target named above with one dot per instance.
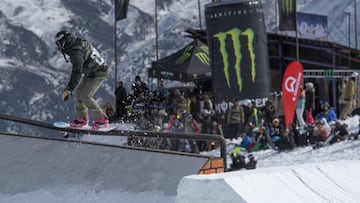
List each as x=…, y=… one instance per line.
x=203, y=55
x=329, y=74
x=185, y=55
x=287, y=6
x=235, y=35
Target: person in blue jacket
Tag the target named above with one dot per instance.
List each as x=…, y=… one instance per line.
x=326, y=112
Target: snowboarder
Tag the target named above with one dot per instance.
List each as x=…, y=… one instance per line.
x=89, y=71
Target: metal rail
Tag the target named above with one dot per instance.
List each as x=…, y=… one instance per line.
x=203, y=137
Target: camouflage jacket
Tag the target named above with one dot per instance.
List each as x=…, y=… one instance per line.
x=85, y=60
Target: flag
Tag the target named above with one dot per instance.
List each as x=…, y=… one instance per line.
x=291, y=83
x=287, y=15
x=121, y=8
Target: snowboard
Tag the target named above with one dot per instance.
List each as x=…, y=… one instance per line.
x=66, y=125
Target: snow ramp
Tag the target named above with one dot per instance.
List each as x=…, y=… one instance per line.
x=337, y=181
x=41, y=164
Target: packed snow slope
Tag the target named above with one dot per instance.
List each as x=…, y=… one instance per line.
x=37, y=166
x=326, y=182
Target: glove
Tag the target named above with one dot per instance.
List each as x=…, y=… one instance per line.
x=91, y=75
x=66, y=94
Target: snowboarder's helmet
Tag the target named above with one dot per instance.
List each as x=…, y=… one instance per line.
x=61, y=38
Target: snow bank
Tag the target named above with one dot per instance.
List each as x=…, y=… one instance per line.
x=326, y=182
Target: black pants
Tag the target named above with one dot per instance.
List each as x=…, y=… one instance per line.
x=120, y=109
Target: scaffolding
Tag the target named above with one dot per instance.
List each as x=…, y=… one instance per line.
x=324, y=77
x=328, y=73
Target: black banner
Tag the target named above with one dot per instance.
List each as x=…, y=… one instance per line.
x=238, y=52
x=121, y=8
x=287, y=15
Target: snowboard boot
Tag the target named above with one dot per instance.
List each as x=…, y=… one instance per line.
x=100, y=123
x=79, y=122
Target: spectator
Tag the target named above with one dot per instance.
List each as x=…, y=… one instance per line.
x=181, y=103
x=326, y=112
x=340, y=132
x=268, y=113
x=278, y=106
x=260, y=139
x=162, y=90
x=235, y=120
x=248, y=140
x=238, y=161
x=193, y=127
x=341, y=98
x=350, y=96
x=175, y=100
x=300, y=107
x=276, y=130
x=287, y=141
x=109, y=111
x=320, y=134
x=309, y=102
x=175, y=126
x=121, y=97
x=183, y=123
x=195, y=108
x=300, y=138
x=205, y=120
x=216, y=129
x=309, y=118
x=139, y=87
x=139, y=108
x=251, y=164
x=248, y=110
x=160, y=119
x=208, y=105
x=156, y=101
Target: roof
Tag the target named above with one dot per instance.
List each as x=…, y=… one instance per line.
x=313, y=54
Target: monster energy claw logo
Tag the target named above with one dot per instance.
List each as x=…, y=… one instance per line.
x=235, y=35
x=185, y=55
x=287, y=6
x=203, y=55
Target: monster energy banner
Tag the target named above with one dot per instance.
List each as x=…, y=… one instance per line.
x=191, y=63
x=287, y=16
x=239, y=54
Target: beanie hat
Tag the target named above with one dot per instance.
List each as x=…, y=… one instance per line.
x=309, y=84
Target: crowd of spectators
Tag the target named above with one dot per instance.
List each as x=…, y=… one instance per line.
x=190, y=111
